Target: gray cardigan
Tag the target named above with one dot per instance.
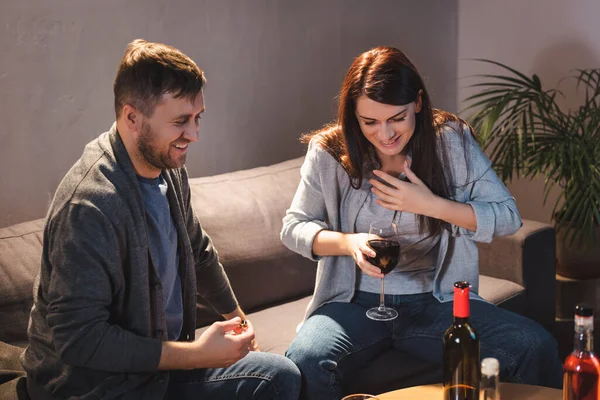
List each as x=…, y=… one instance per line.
x=326, y=200
x=98, y=320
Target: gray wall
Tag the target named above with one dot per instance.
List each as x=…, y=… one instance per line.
x=273, y=70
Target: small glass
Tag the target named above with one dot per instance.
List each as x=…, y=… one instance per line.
x=383, y=239
x=489, y=388
x=360, y=397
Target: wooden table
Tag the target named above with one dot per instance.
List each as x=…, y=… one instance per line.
x=508, y=391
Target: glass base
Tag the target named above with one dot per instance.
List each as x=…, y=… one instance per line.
x=382, y=313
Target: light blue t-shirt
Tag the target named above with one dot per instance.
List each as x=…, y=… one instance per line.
x=162, y=236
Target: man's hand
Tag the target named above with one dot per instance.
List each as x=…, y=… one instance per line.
x=219, y=346
x=239, y=313
x=253, y=343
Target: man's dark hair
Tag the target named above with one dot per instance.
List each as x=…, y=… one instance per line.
x=149, y=70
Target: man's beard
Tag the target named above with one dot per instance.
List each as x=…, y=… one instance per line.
x=151, y=155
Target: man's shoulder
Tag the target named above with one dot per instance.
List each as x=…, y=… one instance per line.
x=95, y=180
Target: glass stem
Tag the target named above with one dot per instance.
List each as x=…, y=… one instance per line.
x=382, y=297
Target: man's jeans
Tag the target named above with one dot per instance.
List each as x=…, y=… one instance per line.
x=256, y=376
x=338, y=338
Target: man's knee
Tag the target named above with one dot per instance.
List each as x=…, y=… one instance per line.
x=286, y=379
x=287, y=369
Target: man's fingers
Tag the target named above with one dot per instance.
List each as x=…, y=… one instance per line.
x=230, y=324
x=246, y=335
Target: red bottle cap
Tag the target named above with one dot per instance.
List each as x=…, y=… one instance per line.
x=461, y=299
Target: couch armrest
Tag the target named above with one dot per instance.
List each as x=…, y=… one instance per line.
x=527, y=258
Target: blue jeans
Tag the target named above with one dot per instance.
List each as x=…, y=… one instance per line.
x=256, y=376
x=338, y=338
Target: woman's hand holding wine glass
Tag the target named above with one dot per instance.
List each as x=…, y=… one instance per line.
x=360, y=251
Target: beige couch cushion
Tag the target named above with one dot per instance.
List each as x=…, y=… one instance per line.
x=20, y=257
x=497, y=290
x=242, y=212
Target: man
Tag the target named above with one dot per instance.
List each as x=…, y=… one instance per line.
x=123, y=257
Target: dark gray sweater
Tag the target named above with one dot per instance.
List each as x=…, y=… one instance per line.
x=98, y=317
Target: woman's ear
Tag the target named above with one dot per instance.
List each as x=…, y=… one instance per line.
x=419, y=102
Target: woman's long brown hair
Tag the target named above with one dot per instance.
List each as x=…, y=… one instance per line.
x=386, y=75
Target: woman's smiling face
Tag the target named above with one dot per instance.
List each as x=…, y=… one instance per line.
x=387, y=127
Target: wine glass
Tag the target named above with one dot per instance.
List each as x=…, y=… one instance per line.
x=383, y=239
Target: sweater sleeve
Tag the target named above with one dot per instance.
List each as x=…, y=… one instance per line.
x=495, y=209
x=307, y=214
x=85, y=261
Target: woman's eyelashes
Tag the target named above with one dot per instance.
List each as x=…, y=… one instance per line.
x=369, y=123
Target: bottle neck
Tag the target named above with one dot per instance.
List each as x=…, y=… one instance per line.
x=460, y=320
x=461, y=307
x=584, y=334
x=584, y=342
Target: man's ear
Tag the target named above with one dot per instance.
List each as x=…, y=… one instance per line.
x=132, y=118
x=419, y=102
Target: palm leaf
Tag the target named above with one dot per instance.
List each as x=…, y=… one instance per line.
x=514, y=71
x=528, y=135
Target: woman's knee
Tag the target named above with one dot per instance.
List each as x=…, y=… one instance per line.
x=532, y=343
x=535, y=339
x=544, y=345
x=320, y=338
x=306, y=355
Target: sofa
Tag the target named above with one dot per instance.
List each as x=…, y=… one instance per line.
x=242, y=212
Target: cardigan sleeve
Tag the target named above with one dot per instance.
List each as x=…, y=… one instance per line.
x=307, y=214
x=478, y=185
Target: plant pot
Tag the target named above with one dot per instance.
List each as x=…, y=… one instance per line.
x=577, y=262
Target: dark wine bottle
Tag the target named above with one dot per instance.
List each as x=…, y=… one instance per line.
x=461, y=351
x=582, y=367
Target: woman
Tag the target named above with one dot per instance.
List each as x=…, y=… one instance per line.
x=390, y=156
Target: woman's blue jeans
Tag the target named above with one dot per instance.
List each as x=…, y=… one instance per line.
x=338, y=338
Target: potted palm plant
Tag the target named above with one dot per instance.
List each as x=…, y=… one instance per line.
x=528, y=134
